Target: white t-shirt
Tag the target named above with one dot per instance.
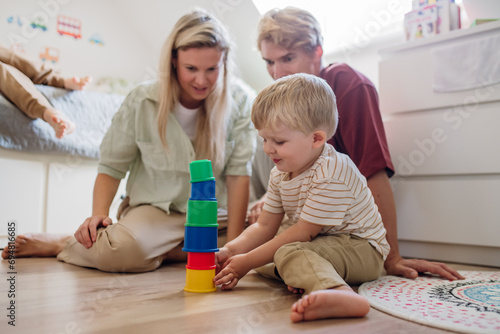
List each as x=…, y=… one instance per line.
x=332, y=193
x=187, y=119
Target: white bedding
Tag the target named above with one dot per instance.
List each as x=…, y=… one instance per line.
x=90, y=111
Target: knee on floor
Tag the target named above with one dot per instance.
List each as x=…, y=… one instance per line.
x=125, y=257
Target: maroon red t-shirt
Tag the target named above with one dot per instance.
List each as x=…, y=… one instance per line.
x=360, y=133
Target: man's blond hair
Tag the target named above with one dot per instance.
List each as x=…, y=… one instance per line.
x=301, y=102
x=291, y=28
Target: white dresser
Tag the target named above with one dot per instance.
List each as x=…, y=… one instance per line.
x=445, y=147
x=46, y=193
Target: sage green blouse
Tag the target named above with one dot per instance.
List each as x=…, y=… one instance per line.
x=161, y=178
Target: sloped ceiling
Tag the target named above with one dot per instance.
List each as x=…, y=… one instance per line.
x=154, y=19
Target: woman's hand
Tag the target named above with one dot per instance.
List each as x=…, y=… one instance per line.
x=86, y=234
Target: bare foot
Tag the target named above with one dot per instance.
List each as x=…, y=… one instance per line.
x=340, y=302
x=295, y=290
x=76, y=83
x=38, y=245
x=175, y=255
x=61, y=125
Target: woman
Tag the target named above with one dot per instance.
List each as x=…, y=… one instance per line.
x=193, y=112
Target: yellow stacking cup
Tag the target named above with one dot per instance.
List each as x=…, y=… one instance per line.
x=200, y=280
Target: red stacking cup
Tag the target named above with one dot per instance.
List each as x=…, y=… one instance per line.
x=201, y=261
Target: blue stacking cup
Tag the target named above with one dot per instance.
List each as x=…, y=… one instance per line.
x=200, y=239
x=203, y=191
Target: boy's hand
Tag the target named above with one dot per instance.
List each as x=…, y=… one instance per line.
x=234, y=270
x=221, y=257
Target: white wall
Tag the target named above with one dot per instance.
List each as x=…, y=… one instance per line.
x=365, y=59
x=154, y=19
x=122, y=47
x=133, y=33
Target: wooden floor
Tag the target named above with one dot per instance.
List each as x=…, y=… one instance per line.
x=54, y=297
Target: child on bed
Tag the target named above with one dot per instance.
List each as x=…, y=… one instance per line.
x=18, y=77
x=336, y=236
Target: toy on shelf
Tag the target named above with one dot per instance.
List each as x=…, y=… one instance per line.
x=200, y=237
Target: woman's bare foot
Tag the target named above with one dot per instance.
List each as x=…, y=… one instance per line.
x=60, y=123
x=341, y=302
x=295, y=290
x=76, y=83
x=175, y=255
x=37, y=245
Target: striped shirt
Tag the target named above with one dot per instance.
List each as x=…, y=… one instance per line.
x=332, y=193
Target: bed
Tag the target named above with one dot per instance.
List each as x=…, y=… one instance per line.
x=46, y=183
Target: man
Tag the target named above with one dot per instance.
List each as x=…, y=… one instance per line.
x=290, y=42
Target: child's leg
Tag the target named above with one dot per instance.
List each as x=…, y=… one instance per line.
x=39, y=73
x=340, y=302
x=19, y=89
x=36, y=71
x=322, y=267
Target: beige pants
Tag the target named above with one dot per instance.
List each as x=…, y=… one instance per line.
x=325, y=262
x=137, y=243
x=18, y=77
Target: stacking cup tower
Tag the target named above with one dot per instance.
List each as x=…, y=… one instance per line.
x=200, y=237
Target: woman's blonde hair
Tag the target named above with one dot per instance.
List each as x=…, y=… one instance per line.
x=198, y=29
x=301, y=102
x=290, y=28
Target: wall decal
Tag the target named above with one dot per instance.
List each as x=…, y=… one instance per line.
x=17, y=20
x=49, y=54
x=96, y=39
x=39, y=23
x=69, y=26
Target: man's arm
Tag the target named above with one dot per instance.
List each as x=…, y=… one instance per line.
x=394, y=264
x=237, y=203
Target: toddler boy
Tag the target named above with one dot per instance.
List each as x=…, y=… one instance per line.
x=336, y=236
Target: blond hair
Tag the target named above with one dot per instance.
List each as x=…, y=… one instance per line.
x=291, y=28
x=198, y=29
x=301, y=102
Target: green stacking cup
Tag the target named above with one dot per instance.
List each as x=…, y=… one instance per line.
x=201, y=170
x=201, y=214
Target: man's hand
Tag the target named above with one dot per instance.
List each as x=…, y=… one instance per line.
x=234, y=270
x=410, y=268
x=256, y=210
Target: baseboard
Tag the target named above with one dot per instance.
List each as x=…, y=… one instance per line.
x=465, y=254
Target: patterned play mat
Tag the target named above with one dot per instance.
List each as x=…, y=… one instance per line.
x=468, y=306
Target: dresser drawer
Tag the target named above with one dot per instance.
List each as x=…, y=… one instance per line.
x=454, y=210
x=456, y=140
